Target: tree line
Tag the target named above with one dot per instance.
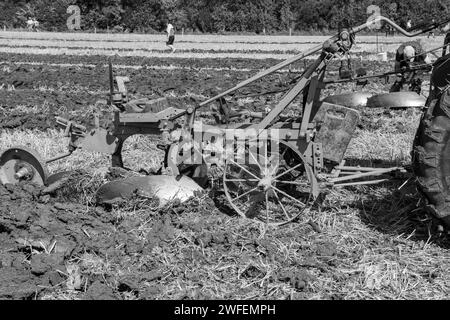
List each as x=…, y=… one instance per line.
x=217, y=16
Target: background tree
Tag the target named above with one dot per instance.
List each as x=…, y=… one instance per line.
x=218, y=15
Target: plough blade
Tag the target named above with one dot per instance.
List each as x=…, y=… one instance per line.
x=350, y=100
x=397, y=100
x=163, y=187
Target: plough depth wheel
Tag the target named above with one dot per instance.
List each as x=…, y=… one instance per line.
x=272, y=186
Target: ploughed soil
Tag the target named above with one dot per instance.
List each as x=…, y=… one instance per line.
x=38, y=238
x=52, y=246
x=32, y=94
x=47, y=245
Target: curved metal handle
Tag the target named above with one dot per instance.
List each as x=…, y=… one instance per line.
x=315, y=50
x=396, y=26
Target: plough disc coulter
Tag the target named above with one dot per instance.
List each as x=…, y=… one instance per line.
x=393, y=100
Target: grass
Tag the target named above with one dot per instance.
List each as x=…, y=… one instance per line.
x=391, y=141
x=255, y=48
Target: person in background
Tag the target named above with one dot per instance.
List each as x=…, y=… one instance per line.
x=408, y=55
x=170, y=30
x=30, y=24
x=408, y=24
x=35, y=25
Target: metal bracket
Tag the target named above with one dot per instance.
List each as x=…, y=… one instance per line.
x=347, y=175
x=313, y=155
x=309, y=104
x=317, y=157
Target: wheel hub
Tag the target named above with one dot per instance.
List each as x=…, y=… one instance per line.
x=265, y=183
x=267, y=179
x=24, y=172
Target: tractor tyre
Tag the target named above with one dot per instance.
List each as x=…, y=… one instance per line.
x=431, y=155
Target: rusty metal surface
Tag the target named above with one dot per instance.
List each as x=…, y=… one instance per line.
x=336, y=125
x=19, y=158
x=348, y=175
x=146, y=105
x=350, y=100
x=98, y=140
x=162, y=187
x=397, y=100
x=165, y=114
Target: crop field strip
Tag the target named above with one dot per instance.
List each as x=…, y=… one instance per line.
x=291, y=48
x=171, y=66
x=180, y=39
x=189, y=46
x=238, y=62
x=202, y=38
x=162, y=54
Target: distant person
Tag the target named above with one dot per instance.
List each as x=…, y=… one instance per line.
x=30, y=24
x=408, y=24
x=388, y=30
x=408, y=55
x=35, y=25
x=170, y=37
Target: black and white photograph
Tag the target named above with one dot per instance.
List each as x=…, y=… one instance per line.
x=224, y=156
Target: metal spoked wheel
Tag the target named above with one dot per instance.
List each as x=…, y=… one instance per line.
x=272, y=186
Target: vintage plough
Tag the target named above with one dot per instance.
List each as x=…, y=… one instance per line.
x=271, y=168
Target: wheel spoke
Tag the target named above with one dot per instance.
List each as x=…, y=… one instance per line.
x=289, y=196
x=266, y=159
x=275, y=167
x=281, y=204
x=242, y=168
x=300, y=184
x=284, y=152
x=241, y=180
x=257, y=162
x=286, y=172
x=244, y=194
